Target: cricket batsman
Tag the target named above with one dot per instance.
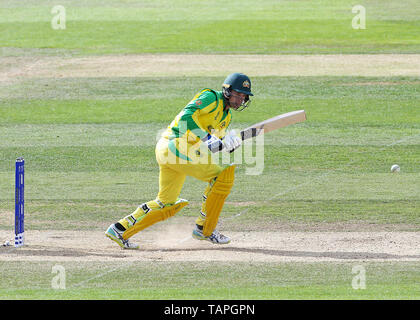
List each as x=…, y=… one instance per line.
x=185, y=149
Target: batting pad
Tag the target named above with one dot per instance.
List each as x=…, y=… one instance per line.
x=155, y=216
x=216, y=199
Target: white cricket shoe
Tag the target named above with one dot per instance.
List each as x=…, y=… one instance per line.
x=216, y=237
x=115, y=235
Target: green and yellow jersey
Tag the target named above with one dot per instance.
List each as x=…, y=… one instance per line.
x=202, y=118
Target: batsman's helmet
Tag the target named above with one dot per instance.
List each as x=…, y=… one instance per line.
x=240, y=83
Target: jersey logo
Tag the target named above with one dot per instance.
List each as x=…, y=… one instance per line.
x=198, y=102
x=222, y=125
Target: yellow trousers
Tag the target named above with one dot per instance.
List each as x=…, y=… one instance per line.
x=172, y=173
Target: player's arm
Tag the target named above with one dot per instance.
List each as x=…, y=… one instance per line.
x=195, y=129
x=190, y=115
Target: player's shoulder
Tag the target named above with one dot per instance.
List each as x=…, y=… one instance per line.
x=207, y=97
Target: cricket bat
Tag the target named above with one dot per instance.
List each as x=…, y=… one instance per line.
x=277, y=122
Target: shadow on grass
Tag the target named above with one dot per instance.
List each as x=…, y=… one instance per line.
x=76, y=252
x=56, y=252
x=305, y=254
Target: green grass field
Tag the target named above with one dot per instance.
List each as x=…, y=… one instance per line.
x=184, y=281
x=115, y=26
x=88, y=144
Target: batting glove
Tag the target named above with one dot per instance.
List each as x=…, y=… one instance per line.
x=213, y=143
x=231, y=141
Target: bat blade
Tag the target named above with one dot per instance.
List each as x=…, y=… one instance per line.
x=277, y=122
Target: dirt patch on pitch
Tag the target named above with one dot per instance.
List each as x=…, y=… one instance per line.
x=150, y=65
x=172, y=242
